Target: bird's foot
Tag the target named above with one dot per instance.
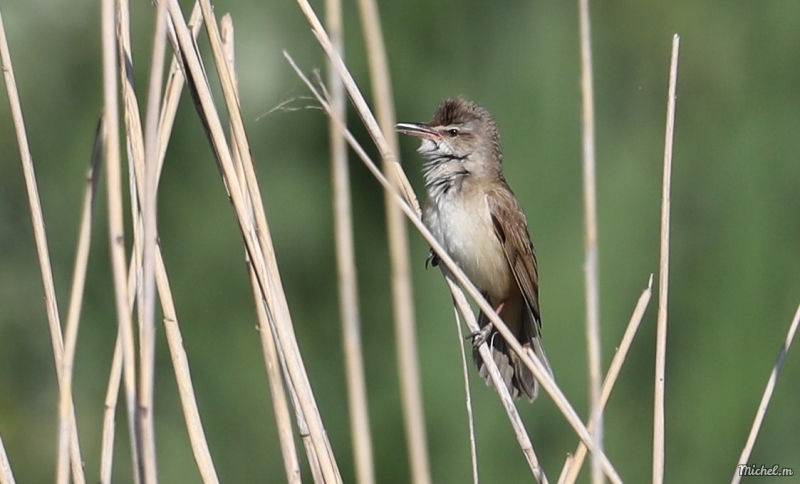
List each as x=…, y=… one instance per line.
x=432, y=259
x=479, y=337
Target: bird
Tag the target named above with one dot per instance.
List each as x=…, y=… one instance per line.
x=472, y=212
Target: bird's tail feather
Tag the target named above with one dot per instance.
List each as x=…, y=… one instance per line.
x=517, y=377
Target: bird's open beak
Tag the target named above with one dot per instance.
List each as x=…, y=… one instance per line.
x=420, y=130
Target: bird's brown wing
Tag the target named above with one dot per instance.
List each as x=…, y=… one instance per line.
x=511, y=227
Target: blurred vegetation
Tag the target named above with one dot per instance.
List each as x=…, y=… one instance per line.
x=735, y=273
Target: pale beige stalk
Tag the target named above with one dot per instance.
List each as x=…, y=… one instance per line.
x=663, y=276
x=573, y=463
x=473, y=446
x=280, y=404
x=397, y=233
x=346, y=263
x=148, y=215
x=744, y=457
x=68, y=426
x=109, y=414
x=6, y=476
x=183, y=377
x=523, y=438
x=591, y=270
x=256, y=237
x=75, y=303
x=116, y=235
x=568, y=463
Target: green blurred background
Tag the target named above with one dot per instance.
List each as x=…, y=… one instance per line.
x=735, y=255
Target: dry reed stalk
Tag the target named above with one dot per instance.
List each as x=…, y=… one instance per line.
x=346, y=264
x=531, y=361
x=133, y=131
x=174, y=85
x=373, y=128
x=663, y=275
x=473, y=446
x=766, y=397
x=591, y=269
x=568, y=463
x=67, y=426
x=6, y=476
x=109, y=411
x=75, y=304
x=255, y=232
x=156, y=131
x=116, y=227
x=573, y=463
x=144, y=175
x=180, y=361
x=273, y=366
x=398, y=239
x=180, y=364
x=280, y=403
x=147, y=341
x=320, y=454
x=135, y=147
x=112, y=390
x=408, y=369
x=523, y=438
x=399, y=251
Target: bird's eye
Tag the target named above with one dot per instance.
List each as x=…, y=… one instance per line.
x=453, y=131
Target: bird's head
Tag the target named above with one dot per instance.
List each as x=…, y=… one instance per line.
x=461, y=137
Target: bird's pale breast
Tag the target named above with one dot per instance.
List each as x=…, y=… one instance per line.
x=462, y=224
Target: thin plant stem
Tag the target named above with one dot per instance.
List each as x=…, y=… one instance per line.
x=76, y=302
x=6, y=476
x=255, y=235
x=591, y=269
x=280, y=402
x=109, y=414
x=68, y=426
x=399, y=180
x=663, y=275
x=568, y=463
x=744, y=457
x=321, y=456
x=150, y=234
x=180, y=363
x=116, y=230
x=134, y=140
x=174, y=87
x=573, y=463
x=397, y=233
x=473, y=447
x=138, y=182
x=362, y=108
x=112, y=390
x=147, y=161
x=346, y=264
x=460, y=302
x=402, y=300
